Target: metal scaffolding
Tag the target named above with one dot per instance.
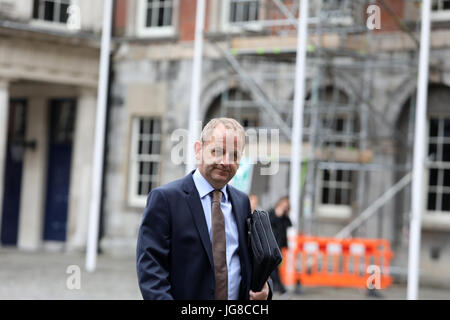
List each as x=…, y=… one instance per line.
x=334, y=121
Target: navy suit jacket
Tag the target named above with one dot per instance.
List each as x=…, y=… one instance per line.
x=174, y=252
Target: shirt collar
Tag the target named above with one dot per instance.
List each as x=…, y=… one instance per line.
x=204, y=187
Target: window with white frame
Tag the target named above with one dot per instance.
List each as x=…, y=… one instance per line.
x=241, y=13
x=243, y=10
x=334, y=12
x=336, y=187
x=54, y=11
x=440, y=10
x=439, y=166
x=156, y=17
x=343, y=130
x=337, y=117
x=145, y=159
x=335, y=193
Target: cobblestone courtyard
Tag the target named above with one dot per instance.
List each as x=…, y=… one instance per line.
x=42, y=275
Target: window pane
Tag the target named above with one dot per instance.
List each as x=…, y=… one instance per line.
x=326, y=175
x=242, y=11
x=145, y=147
x=431, y=201
x=338, y=196
x=445, y=202
x=345, y=196
x=155, y=147
x=145, y=188
x=233, y=12
x=325, y=193
x=167, y=17
x=140, y=188
x=447, y=178
x=148, y=126
x=157, y=126
x=432, y=150
x=253, y=11
x=161, y=16
x=446, y=127
x=349, y=175
x=340, y=125
x=348, y=197
x=36, y=9
x=245, y=13
x=446, y=152
x=434, y=5
x=433, y=177
x=64, y=15
x=49, y=10
x=148, y=22
x=159, y=13
x=339, y=175
x=141, y=126
x=434, y=127
x=154, y=168
x=446, y=5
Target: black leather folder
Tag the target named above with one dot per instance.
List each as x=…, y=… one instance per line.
x=266, y=255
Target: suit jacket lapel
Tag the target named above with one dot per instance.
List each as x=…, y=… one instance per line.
x=240, y=221
x=196, y=208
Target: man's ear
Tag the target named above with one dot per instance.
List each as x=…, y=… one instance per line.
x=198, y=150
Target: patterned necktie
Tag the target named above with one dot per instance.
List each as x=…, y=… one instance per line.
x=219, y=247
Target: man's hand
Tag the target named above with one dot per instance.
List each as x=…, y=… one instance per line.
x=261, y=295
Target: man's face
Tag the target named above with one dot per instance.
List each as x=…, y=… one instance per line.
x=218, y=159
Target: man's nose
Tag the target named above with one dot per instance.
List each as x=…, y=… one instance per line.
x=225, y=159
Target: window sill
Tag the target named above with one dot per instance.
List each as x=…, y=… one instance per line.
x=441, y=15
x=334, y=212
x=156, y=33
x=137, y=203
x=48, y=25
x=239, y=28
x=436, y=221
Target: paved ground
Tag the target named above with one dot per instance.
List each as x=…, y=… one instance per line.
x=42, y=275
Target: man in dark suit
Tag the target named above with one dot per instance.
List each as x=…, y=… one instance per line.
x=192, y=242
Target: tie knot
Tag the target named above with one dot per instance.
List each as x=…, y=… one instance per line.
x=216, y=196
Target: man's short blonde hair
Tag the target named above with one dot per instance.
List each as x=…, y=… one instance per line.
x=228, y=123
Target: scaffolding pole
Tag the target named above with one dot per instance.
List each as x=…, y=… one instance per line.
x=194, y=114
x=99, y=142
x=419, y=154
x=299, y=101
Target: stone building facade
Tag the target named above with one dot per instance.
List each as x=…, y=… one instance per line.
x=151, y=78
x=49, y=77
x=151, y=91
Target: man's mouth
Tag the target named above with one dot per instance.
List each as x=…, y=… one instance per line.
x=222, y=170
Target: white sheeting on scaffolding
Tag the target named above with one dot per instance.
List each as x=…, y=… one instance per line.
x=196, y=83
x=419, y=155
x=100, y=123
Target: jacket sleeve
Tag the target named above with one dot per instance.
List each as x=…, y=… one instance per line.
x=153, y=249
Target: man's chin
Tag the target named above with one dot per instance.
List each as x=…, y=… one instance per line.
x=220, y=178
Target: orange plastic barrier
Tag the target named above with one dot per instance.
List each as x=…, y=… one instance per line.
x=354, y=263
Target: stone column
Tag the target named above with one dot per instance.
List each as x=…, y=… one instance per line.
x=34, y=177
x=4, y=114
x=80, y=176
